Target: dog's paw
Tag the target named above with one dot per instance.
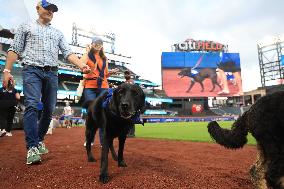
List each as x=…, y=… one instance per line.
x=91, y=159
x=104, y=178
x=122, y=164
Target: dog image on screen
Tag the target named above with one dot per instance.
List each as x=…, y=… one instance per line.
x=265, y=121
x=115, y=112
x=200, y=76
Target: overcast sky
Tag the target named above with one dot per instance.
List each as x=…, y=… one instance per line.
x=146, y=28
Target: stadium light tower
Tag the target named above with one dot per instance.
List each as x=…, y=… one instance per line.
x=106, y=37
x=270, y=55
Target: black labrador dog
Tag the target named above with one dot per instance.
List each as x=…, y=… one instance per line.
x=200, y=76
x=114, y=113
x=265, y=121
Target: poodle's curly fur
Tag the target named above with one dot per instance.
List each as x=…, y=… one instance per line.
x=265, y=121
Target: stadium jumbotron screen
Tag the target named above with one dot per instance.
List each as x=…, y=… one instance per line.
x=184, y=73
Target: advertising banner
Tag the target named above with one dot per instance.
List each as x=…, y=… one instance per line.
x=197, y=108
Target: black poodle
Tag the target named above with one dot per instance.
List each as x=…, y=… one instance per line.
x=265, y=121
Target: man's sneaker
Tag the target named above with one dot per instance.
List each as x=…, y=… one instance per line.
x=9, y=134
x=49, y=131
x=33, y=156
x=2, y=133
x=41, y=148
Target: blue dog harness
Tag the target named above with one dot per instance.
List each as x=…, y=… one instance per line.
x=135, y=119
x=194, y=72
x=108, y=98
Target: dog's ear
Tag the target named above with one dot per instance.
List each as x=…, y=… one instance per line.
x=143, y=108
x=142, y=105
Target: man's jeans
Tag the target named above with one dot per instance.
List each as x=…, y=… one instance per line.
x=38, y=85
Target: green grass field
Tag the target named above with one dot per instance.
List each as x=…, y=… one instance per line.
x=191, y=131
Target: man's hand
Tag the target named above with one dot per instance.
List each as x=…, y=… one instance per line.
x=6, y=77
x=81, y=63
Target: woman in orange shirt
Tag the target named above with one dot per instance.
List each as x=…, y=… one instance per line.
x=96, y=81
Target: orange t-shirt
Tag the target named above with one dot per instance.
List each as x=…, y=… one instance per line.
x=95, y=73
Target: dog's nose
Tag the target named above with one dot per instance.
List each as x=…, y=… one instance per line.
x=124, y=106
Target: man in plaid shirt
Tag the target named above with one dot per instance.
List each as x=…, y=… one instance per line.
x=37, y=44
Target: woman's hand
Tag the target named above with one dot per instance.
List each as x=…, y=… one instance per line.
x=85, y=69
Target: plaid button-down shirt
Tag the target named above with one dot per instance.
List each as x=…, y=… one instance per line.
x=39, y=45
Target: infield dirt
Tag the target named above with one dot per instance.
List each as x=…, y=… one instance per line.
x=151, y=164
